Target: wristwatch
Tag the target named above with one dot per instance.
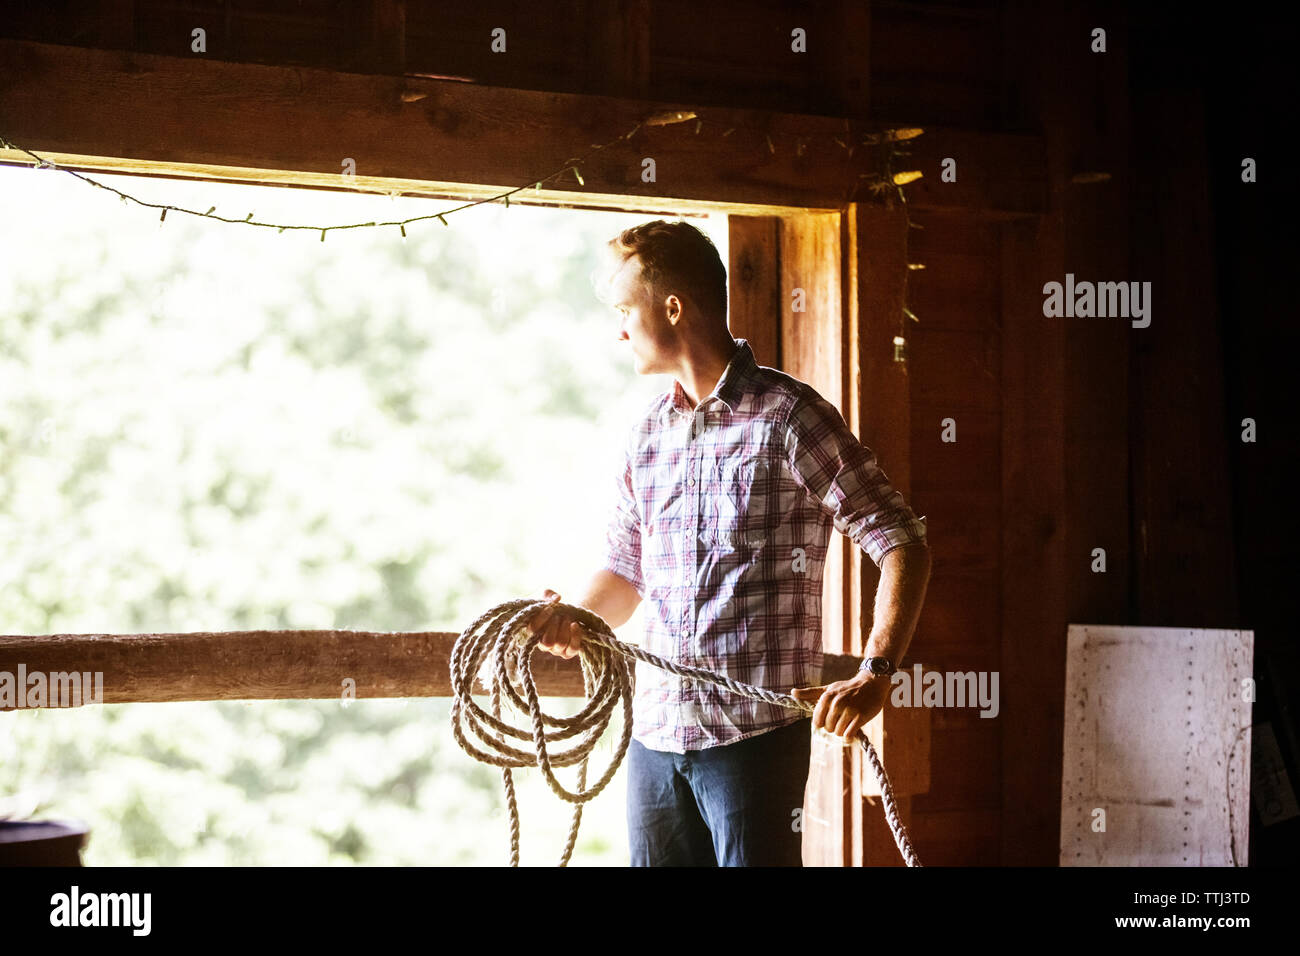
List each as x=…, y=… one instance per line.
x=878, y=665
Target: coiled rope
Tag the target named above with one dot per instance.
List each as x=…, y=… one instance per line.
x=608, y=677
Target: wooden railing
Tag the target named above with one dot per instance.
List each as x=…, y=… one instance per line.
x=277, y=665
x=328, y=664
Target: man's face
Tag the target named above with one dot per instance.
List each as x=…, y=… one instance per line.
x=642, y=321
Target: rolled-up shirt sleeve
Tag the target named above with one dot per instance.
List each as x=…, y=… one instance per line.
x=623, y=533
x=841, y=474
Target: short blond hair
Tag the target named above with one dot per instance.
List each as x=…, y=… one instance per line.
x=676, y=259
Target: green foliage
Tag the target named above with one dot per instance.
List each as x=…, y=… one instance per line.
x=217, y=427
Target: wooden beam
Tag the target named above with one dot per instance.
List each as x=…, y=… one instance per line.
x=1034, y=565
x=878, y=409
x=754, y=285
x=1183, y=560
x=1100, y=436
x=276, y=665
x=812, y=350
x=1035, y=560
x=119, y=111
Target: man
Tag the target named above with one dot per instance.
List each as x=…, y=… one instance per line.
x=731, y=484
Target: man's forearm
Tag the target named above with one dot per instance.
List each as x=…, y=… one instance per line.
x=610, y=596
x=904, y=575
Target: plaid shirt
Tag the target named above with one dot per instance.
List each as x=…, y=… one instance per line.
x=722, y=525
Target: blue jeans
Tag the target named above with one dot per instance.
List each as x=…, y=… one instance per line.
x=733, y=805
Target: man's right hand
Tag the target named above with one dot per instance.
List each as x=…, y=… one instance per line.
x=561, y=634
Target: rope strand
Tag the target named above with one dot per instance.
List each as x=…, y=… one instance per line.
x=503, y=635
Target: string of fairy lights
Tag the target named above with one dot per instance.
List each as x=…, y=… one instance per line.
x=878, y=184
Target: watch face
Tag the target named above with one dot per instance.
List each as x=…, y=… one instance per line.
x=880, y=667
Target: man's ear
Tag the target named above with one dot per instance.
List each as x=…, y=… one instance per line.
x=674, y=307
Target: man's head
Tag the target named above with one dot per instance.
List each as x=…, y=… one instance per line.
x=669, y=287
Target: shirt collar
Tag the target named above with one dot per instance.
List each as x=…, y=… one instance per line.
x=730, y=387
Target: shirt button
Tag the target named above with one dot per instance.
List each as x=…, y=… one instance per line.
x=691, y=482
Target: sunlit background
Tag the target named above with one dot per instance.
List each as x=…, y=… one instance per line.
x=209, y=426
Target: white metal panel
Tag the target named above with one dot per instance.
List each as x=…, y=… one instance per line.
x=1156, y=747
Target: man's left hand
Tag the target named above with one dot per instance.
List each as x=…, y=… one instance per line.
x=846, y=706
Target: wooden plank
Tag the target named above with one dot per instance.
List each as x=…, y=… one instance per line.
x=812, y=346
x=100, y=23
x=1001, y=174
x=1032, y=556
x=879, y=400
x=1032, y=553
x=849, y=67
x=80, y=108
x=966, y=768
x=754, y=285
x=812, y=351
x=862, y=290
x=1097, y=404
x=387, y=28
x=113, y=23
x=618, y=58
x=318, y=32
x=959, y=288
x=959, y=372
x=713, y=54
x=964, y=528
x=1183, y=560
x=902, y=738
x=972, y=462
x=858, y=609
x=958, y=837
x=958, y=241
x=957, y=78
x=544, y=43
x=274, y=665
x=962, y=611
x=955, y=304
x=876, y=846
x=823, y=808
x=881, y=388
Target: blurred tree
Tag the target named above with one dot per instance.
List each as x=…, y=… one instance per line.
x=209, y=427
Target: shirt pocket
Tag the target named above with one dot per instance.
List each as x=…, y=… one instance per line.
x=742, y=517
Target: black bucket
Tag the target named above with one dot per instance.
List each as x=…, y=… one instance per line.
x=42, y=843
